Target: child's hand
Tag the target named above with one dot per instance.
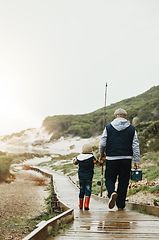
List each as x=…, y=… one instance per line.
x=75, y=162
x=96, y=161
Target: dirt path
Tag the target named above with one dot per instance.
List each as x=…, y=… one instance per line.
x=21, y=199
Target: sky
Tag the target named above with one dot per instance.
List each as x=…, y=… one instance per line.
x=57, y=55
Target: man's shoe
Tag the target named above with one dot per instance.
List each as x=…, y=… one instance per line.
x=112, y=200
x=120, y=209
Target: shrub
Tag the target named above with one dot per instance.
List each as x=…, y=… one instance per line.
x=5, y=162
x=55, y=136
x=39, y=181
x=26, y=167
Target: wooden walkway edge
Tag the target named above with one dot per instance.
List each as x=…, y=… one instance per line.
x=100, y=222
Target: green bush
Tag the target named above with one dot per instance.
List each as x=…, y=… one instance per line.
x=5, y=162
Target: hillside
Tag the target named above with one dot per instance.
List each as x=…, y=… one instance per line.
x=143, y=110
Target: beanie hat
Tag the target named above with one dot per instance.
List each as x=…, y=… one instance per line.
x=87, y=148
x=120, y=112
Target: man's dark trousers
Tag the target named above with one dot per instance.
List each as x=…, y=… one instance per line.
x=121, y=169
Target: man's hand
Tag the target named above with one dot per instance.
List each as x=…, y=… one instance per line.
x=102, y=159
x=136, y=165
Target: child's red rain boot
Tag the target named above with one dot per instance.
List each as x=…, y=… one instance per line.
x=86, y=203
x=80, y=203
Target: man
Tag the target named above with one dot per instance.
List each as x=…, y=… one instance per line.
x=120, y=142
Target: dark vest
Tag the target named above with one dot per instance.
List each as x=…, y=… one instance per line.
x=86, y=168
x=119, y=143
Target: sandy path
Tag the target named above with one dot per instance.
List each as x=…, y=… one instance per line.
x=21, y=199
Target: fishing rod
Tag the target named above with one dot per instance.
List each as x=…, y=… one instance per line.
x=103, y=128
x=105, y=104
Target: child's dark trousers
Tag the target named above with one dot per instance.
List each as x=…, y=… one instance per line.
x=85, y=188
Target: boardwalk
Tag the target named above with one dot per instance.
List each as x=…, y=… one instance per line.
x=100, y=222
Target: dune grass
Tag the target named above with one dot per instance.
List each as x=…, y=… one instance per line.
x=7, y=159
x=5, y=162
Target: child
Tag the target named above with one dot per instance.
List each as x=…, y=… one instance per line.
x=86, y=162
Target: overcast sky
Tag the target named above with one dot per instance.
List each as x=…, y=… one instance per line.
x=57, y=55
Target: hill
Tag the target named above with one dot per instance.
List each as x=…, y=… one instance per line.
x=143, y=111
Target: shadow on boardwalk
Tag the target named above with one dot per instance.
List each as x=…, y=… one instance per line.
x=100, y=222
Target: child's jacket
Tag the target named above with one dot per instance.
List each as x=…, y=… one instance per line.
x=86, y=166
x=86, y=163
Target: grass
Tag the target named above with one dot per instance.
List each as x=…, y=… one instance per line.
x=21, y=157
x=150, y=170
x=45, y=216
x=66, y=167
x=96, y=189
x=154, y=189
x=151, y=156
x=7, y=159
x=151, y=173
x=144, y=188
x=65, y=157
x=62, y=227
x=17, y=226
x=75, y=171
x=156, y=201
x=142, y=210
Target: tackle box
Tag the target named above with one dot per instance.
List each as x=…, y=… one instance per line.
x=136, y=174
